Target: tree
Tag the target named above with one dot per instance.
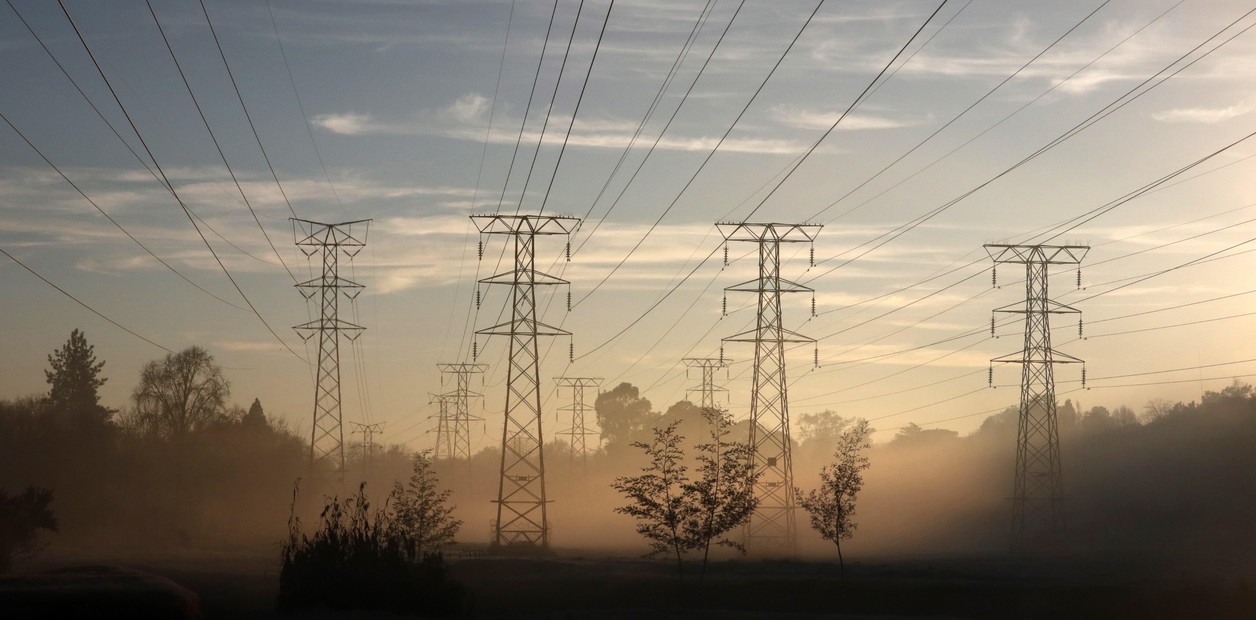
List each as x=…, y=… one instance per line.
x=21, y=517
x=74, y=378
x=622, y=414
x=723, y=495
x=676, y=514
x=913, y=435
x=256, y=417
x=832, y=506
x=181, y=393
x=422, y=510
x=656, y=497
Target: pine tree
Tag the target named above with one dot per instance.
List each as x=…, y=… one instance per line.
x=256, y=417
x=74, y=378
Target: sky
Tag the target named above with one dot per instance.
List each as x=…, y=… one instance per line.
x=913, y=136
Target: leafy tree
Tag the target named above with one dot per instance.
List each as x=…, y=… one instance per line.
x=21, y=516
x=74, y=378
x=422, y=510
x=832, y=506
x=183, y=392
x=723, y=494
x=622, y=414
x=256, y=417
x=913, y=435
x=657, y=496
x=677, y=514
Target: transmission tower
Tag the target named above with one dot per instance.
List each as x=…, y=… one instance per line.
x=1038, y=491
x=578, y=432
x=709, y=366
x=444, y=427
x=521, y=501
x=772, y=525
x=368, y=443
x=327, y=454
x=460, y=417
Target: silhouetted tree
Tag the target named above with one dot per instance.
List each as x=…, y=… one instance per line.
x=21, y=517
x=657, y=496
x=913, y=435
x=832, y=506
x=74, y=378
x=423, y=510
x=622, y=414
x=181, y=393
x=722, y=496
x=256, y=417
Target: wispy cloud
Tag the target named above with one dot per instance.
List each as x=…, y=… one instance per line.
x=1207, y=116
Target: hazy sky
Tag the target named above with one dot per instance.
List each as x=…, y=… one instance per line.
x=399, y=97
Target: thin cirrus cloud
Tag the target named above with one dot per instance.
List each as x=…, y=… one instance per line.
x=1206, y=116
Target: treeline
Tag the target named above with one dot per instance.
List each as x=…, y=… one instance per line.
x=179, y=466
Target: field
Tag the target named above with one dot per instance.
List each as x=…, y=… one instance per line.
x=575, y=585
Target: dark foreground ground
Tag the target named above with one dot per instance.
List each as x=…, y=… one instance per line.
x=575, y=586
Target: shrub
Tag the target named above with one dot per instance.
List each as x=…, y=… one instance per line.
x=364, y=559
x=21, y=517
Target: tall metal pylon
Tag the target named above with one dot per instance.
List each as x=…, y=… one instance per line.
x=522, y=517
x=709, y=366
x=1038, y=490
x=327, y=454
x=771, y=528
x=444, y=426
x=460, y=418
x=578, y=432
x=368, y=432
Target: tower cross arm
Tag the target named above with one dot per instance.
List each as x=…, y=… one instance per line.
x=770, y=285
x=768, y=231
x=1044, y=254
x=498, y=224
x=764, y=334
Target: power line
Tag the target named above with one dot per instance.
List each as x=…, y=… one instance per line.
x=244, y=107
x=81, y=302
x=169, y=185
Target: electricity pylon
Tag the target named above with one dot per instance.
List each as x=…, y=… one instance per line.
x=578, y=432
x=444, y=427
x=460, y=418
x=1038, y=491
x=368, y=443
x=708, y=366
x=771, y=528
x=521, y=501
x=327, y=454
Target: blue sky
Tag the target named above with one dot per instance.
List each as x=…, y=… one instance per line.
x=398, y=98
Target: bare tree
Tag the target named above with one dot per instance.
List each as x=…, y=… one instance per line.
x=723, y=495
x=832, y=506
x=423, y=511
x=182, y=392
x=657, y=496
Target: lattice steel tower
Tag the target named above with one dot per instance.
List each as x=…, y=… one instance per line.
x=1038, y=490
x=709, y=366
x=771, y=528
x=368, y=432
x=460, y=418
x=444, y=426
x=327, y=454
x=578, y=432
x=521, y=500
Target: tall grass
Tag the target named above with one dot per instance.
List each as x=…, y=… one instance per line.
x=363, y=559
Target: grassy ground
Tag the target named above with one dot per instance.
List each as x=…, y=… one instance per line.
x=573, y=585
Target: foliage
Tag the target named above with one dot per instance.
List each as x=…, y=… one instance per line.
x=657, y=498
x=832, y=506
x=422, y=508
x=723, y=494
x=74, y=378
x=363, y=559
x=622, y=414
x=677, y=514
x=21, y=517
x=912, y=435
x=256, y=416
x=183, y=392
